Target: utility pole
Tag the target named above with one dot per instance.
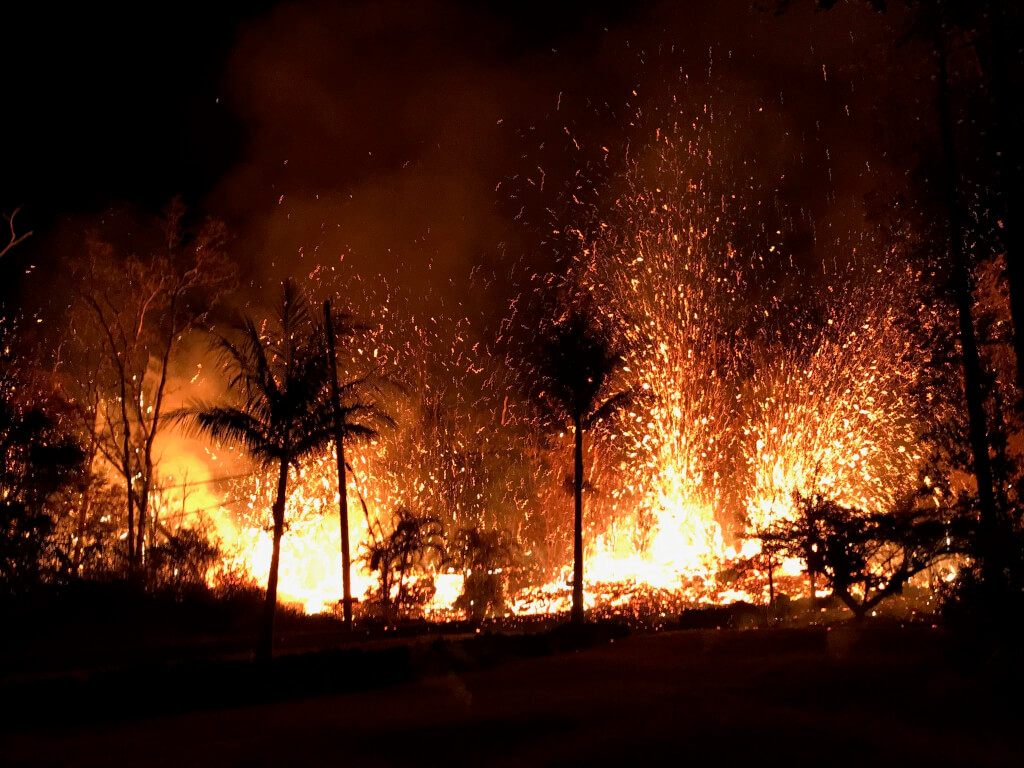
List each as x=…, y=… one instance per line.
x=339, y=446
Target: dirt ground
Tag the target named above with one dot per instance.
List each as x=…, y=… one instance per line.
x=753, y=697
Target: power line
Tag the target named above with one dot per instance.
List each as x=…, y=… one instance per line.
x=190, y=483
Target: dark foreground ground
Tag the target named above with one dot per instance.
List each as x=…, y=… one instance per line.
x=757, y=697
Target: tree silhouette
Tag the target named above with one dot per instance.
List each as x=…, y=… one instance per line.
x=482, y=555
x=864, y=557
x=283, y=414
x=575, y=365
x=412, y=539
x=40, y=460
x=991, y=28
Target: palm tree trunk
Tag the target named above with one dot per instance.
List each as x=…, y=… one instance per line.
x=577, y=549
x=265, y=647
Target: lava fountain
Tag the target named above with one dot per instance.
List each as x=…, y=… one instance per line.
x=746, y=401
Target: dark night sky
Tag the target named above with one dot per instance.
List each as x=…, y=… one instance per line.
x=107, y=104
x=382, y=130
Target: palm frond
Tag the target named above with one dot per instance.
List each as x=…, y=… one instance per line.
x=575, y=359
x=224, y=423
x=613, y=405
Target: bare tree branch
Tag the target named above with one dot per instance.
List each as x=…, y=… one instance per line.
x=15, y=237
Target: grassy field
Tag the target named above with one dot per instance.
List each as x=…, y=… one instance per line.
x=877, y=696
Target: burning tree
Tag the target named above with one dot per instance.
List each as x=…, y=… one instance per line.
x=283, y=413
x=131, y=316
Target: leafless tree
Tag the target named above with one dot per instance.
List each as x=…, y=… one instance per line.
x=130, y=318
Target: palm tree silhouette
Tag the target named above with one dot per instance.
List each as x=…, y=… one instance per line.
x=576, y=364
x=393, y=556
x=283, y=412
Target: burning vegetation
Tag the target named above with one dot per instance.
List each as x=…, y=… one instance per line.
x=707, y=416
x=670, y=413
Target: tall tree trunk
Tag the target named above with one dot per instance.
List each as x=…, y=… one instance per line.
x=126, y=455
x=141, y=552
x=859, y=610
x=973, y=387
x=339, y=445
x=143, y=525
x=86, y=506
x=265, y=646
x=150, y=431
x=385, y=587
x=1004, y=69
x=78, y=552
x=577, y=538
